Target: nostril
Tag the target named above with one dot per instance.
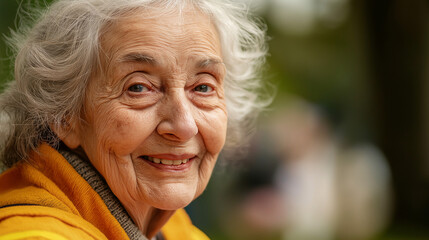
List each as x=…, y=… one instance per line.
x=171, y=136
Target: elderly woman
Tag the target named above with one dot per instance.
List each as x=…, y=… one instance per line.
x=118, y=112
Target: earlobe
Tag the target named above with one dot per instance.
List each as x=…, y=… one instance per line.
x=68, y=134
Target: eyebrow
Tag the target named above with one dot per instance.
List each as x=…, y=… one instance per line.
x=139, y=58
x=208, y=61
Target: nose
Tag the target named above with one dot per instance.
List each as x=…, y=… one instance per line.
x=177, y=120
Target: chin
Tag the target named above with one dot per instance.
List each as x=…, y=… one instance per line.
x=173, y=203
x=172, y=207
x=174, y=198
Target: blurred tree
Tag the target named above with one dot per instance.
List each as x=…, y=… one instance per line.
x=7, y=13
x=397, y=40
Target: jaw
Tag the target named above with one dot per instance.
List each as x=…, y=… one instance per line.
x=155, y=194
x=152, y=214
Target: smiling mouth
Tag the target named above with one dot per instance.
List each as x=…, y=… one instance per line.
x=165, y=161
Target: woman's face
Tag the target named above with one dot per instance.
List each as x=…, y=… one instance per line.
x=155, y=118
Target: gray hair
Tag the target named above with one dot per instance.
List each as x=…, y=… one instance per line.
x=55, y=57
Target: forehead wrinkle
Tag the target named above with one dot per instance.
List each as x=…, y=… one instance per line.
x=162, y=33
x=160, y=44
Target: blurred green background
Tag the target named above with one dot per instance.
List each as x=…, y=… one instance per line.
x=352, y=94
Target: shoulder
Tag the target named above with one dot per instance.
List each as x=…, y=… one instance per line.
x=180, y=227
x=32, y=206
x=39, y=222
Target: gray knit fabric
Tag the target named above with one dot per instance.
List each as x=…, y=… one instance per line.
x=97, y=182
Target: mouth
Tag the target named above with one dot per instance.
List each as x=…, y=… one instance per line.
x=166, y=162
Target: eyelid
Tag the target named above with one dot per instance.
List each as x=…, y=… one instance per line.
x=209, y=89
x=217, y=71
x=130, y=81
x=136, y=84
x=200, y=82
x=213, y=74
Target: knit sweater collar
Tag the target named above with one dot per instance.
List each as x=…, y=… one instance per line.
x=83, y=166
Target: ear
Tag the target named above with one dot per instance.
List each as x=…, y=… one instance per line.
x=69, y=134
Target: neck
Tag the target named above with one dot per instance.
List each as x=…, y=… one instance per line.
x=148, y=219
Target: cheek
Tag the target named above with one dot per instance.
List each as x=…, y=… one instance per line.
x=123, y=130
x=212, y=127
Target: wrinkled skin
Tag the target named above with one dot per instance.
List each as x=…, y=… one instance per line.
x=160, y=94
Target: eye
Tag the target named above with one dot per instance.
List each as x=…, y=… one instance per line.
x=138, y=88
x=203, y=88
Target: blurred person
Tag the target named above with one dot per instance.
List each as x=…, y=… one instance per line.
x=365, y=191
x=118, y=112
x=329, y=191
x=299, y=182
x=256, y=209
x=306, y=177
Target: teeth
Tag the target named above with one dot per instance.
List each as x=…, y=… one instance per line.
x=166, y=161
x=177, y=162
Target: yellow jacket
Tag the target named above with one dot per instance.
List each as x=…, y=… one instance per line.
x=48, y=199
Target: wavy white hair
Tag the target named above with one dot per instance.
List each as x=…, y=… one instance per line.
x=55, y=57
